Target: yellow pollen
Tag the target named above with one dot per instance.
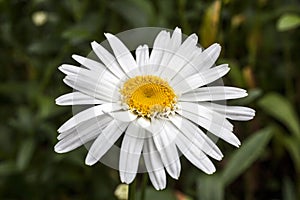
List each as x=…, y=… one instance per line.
x=148, y=96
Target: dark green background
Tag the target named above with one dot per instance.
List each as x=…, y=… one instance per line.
x=260, y=40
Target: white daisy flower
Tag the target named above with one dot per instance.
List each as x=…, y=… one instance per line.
x=161, y=103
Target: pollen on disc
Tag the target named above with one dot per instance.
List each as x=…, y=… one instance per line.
x=148, y=96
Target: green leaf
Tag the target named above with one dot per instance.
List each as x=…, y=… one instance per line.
x=77, y=34
x=236, y=74
x=7, y=168
x=151, y=194
x=209, y=28
x=292, y=145
x=288, y=189
x=47, y=107
x=137, y=13
x=281, y=109
x=242, y=158
x=43, y=47
x=77, y=7
x=288, y=22
x=210, y=187
x=84, y=30
x=25, y=154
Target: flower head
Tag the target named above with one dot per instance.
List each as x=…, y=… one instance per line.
x=160, y=102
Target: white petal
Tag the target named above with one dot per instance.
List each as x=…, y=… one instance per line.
x=108, y=59
x=191, y=151
x=131, y=148
x=77, y=98
x=171, y=47
x=201, y=79
x=209, y=56
x=89, y=63
x=142, y=59
x=84, y=125
x=194, y=154
x=154, y=165
x=142, y=55
x=196, y=113
x=81, y=135
x=143, y=122
x=122, y=53
x=89, y=113
x=158, y=179
x=124, y=116
x=200, y=62
x=72, y=142
x=213, y=93
x=159, y=46
x=197, y=137
x=104, y=141
x=99, y=73
x=205, y=114
x=181, y=57
x=239, y=113
x=89, y=88
x=98, y=86
x=70, y=69
x=167, y=148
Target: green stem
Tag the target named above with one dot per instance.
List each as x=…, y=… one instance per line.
x=132, y=190
x=144, y=185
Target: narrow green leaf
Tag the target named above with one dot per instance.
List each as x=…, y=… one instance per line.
x=47, y=107
x=151, y=193
x=137, y=13
x=288, y=22
x=288, y=189
x=235, y=75
x=7, y=168
x=242, y=158
x=292, y=145
x=77, y=33
x=281, y=109
x=78, y=8
x=25, y=154
x=210, y=187
x=210, y=24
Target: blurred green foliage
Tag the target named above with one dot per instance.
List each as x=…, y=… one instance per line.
x=260, y=41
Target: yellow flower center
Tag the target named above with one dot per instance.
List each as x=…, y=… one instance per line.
x=149, y=96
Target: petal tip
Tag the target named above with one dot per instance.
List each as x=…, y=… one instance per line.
x=90, y=161
x=61, y=68
x=74, y=56
x=108, y=35
x=60, y=130
x=94, y=44
x=212, y=171
x=216, y=46
x=58, y=149
x=177, y=29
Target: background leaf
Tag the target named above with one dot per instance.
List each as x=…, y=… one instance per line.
x=288, y=22
x=210, y=187
x=25, y=154
x=289, y=191
x=153, y=194
x=292, y=145
x=210, y=24
x=281, y=109
x=242, y=158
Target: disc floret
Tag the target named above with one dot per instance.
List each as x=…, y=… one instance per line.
x=149, y=96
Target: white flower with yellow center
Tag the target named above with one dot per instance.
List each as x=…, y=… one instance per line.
x=161, y=104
